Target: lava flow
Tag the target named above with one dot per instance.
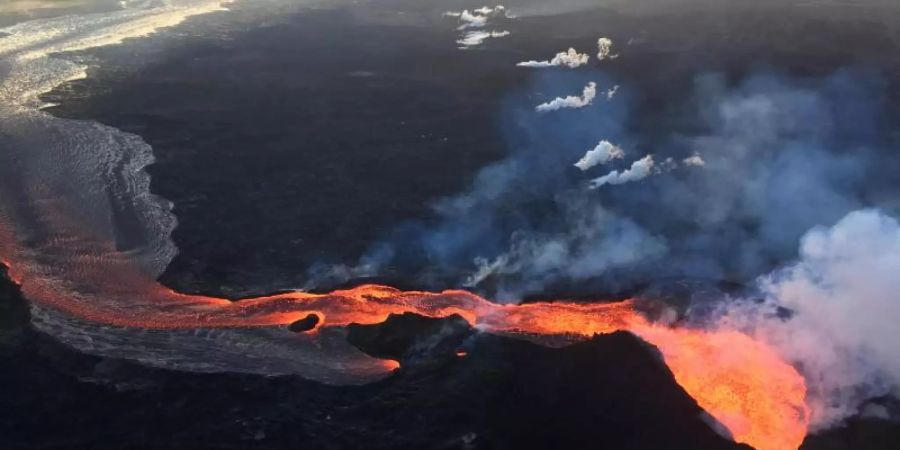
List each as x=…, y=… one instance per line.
x=740, y=381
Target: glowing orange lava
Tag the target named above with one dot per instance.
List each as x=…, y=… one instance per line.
x=740, y=381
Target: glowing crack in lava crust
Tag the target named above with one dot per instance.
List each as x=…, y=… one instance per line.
x=739, y=381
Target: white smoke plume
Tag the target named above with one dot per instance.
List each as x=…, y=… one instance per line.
x=571, y=59
x=843, y=296
x=491, y=12
x=477, y=18
x=604, y=49
x=587, y=97
x=603, y=153
x=476, y=38
x=639, y=170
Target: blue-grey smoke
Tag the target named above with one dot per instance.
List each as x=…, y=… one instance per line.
x=781, y=155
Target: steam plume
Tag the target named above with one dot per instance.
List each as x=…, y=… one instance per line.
x=601, y=154
x=488, y=11
x=604, y=49
x=587, y=97
x=479, y=18
x=842, y=330
x=570, y=59
x=639, y=170
x=475, y=38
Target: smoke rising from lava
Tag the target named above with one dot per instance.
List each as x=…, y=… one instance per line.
x=639, y=170
x=570, y=58
x=843, y=303
x=571, y=101
x=780, y=156
x=603, y=153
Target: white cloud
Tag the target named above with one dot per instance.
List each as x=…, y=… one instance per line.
x=639, y=170
x=604, y=49
x=587, y=97
x=570, y=59
x=601, y=154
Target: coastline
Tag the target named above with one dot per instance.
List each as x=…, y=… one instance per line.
x=213, y=174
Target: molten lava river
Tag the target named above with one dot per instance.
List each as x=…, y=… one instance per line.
x=740, y=381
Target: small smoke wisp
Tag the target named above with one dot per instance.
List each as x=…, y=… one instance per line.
x=570, y=58
x=572, y=101
x=611, y=92
x=603, y=153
